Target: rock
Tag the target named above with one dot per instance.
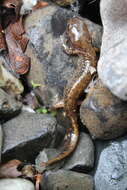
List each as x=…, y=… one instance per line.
x=111, y=165
x=95, y=32
x=44, y=156
x=14, y=184
x=1, y=141
x=26, y=135
x=50, y=65
x=112, y=67
x=83, y=157
x=27, y=6
x=104, y=114
x=9, y=106
x=66, y=180
x=9, y=83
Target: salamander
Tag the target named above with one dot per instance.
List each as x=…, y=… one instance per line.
x=78, y=41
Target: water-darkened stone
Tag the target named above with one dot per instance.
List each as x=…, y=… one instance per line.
x=111, y=166
x=26, y=135
x=66, y=180
x=104, y=115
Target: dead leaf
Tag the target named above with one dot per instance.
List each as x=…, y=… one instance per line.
x=9, y=169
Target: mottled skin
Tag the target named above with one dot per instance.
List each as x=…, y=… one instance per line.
x=79, y=42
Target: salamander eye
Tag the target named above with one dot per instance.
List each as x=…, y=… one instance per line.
x=9, y=5
x=12, y=5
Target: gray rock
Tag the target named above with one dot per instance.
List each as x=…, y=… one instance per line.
x=27, y=6
x=95, y=32
x=112, y=67
x=111, y=169
x=50, y=65
x=9, y=107
x=83, y=156
x=44, y=30
x=26, y=135
x=14, y=184
x=104, y=114
x=67, y=180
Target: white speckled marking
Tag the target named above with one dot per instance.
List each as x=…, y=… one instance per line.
x=75, y=31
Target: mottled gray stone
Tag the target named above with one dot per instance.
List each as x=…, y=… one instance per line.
x=67, y=180
x=26, y=135
x=83, y=156
x=112, y=67
x=9, y=107
x=44, y=30
x=50, y=65
x=111, y=166
x=81, y=159
x=14, y=184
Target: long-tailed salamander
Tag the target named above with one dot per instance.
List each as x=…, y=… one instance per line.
x=78, y=42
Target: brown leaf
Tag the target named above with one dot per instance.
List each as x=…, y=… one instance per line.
x=18, y=32
x=9, y=169
x=20, y=63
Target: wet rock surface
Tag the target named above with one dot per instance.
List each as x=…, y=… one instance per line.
x=63, y=179
x=95, y=33
x=111, y=166
x=9, y=107
x=81, y=160
x=28, y=134
x=14, y=184
x=112, y=67
x=51, y=66
x=104, y=115
x=83, y=157
x=46, y=42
